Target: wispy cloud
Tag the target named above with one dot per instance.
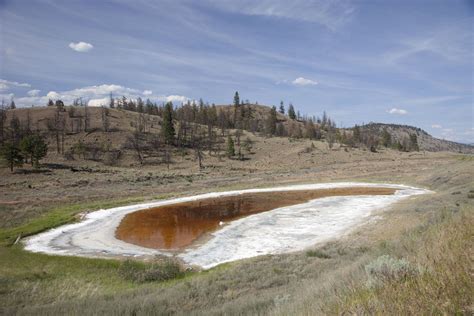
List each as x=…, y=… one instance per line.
x=81, y=47
x=397, y=111
x=331, y=14
x=34, y=92
x=300, y=81
x=437, y=126
x=6, y=84
x=449, y=43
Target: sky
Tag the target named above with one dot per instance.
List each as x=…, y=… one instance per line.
x=405, y=61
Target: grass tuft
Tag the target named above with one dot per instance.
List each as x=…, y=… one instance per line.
x=318, y=254
x=139, y=272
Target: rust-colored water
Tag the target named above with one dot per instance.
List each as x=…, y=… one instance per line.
x=178, y=225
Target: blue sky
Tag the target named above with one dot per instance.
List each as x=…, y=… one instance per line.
x=406, y=61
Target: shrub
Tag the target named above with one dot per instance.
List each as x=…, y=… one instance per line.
x=386, y=268
x=318, y=254
x=139, y=272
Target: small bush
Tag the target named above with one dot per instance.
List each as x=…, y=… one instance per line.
x=386, y=269
x=318, y=254
x=159, y=271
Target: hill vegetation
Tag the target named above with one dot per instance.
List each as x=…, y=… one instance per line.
x=156, y=133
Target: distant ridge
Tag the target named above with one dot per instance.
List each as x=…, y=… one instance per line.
x=425, y=140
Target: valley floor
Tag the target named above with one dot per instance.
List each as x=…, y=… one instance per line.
x=431, y=233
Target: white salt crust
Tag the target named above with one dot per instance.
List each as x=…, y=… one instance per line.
x=281, y=230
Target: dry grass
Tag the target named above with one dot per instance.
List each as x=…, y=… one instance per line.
x=297, y=283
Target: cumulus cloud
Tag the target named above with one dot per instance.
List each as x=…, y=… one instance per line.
x=97, y=95
x=304, y=82
x=436, y=126
x=53, y=95
x=176, y=98
x=34, y=92
x=99, y=102
x=6, y=84
x=81, y=47
x=397, y=111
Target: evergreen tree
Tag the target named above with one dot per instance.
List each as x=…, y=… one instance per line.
x=386, y=138
x=167, y=128
x=59, y=105
x=50, y=102
x=236, y=99
x=271, y=122
x=237, y=110
x=33, y=146
x=414, y=142
x=140, y=105
x=230, y=147
x=248, y=145
x=112, y=101
x=356, y=134
x=291, y=112
x=282, y=108
x=12, y=155
x=12, y=105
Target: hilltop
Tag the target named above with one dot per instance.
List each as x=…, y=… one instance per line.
x=425, y=140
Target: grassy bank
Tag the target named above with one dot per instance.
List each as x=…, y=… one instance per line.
x=433, y=275
x=427, y=271
x=58, y=216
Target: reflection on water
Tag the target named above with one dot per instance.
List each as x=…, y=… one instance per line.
x=178, y=225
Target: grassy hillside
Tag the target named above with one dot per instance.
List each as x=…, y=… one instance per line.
x=424, y=241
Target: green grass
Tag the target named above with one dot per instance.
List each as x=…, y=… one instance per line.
x=59, y=216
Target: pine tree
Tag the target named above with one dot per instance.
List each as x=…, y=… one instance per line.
x=167, y=128
x=291, y=112
x=386, y=138
x=356, y=134
x=414, y=142
x=271, y=122
x=33, y=146
x=230, y=147
x=12, y=155
x=112, y=101
x=237, y=111
x=12, y=105
x=282, y=108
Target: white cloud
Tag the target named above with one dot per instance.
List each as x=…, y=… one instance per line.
x=331, y=14
x=397, y=111
x=81, y=47
x=176, y=98
x=95, y=95
x=6, y=84
x=34, y=92
x=436, y=126
x=99, y=102
x=53, y=95
x=304, y=82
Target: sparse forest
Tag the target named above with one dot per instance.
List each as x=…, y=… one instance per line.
x=162, y=131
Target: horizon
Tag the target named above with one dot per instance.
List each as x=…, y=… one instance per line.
x=406, y=63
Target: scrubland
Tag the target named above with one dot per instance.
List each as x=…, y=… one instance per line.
x=415, y=257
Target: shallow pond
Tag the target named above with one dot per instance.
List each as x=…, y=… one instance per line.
x=177, y=226
x=255, y=222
